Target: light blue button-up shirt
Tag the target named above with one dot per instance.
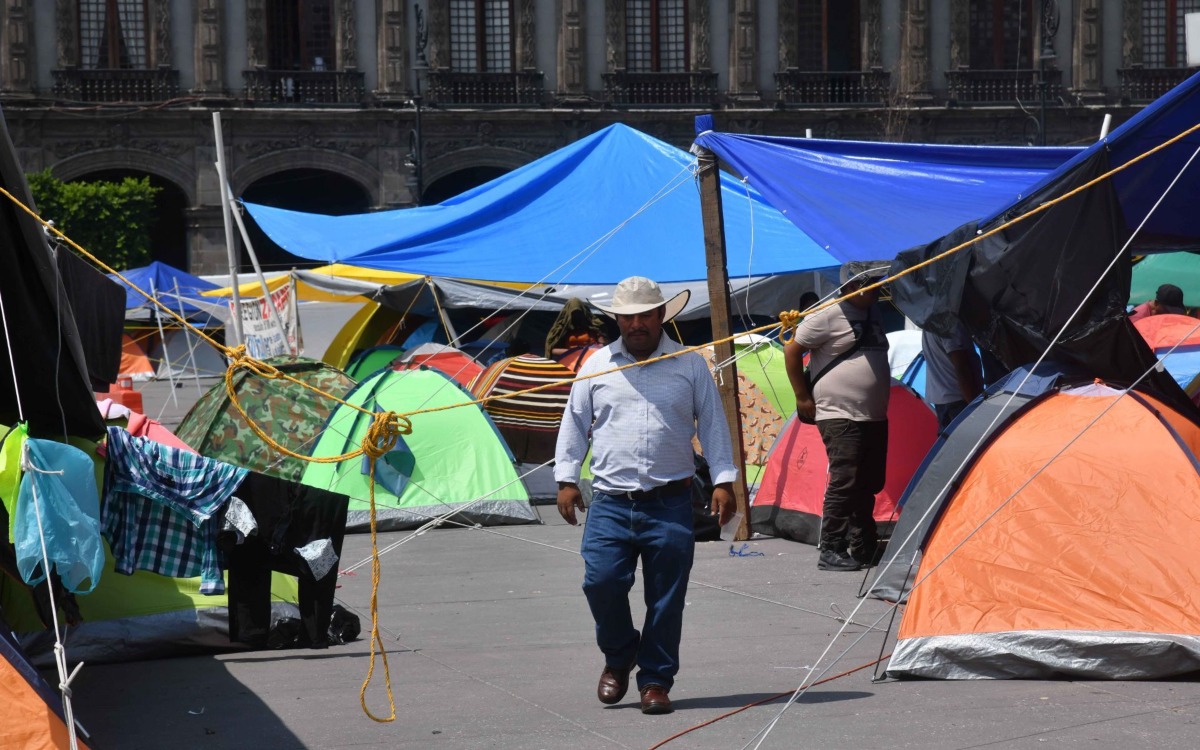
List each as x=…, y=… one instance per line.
x=641, y=421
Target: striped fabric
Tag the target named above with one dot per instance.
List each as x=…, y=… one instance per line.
x=528, y=423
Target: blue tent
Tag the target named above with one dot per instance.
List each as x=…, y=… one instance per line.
x=611, y=205
x=863, y=201
x=172, y=286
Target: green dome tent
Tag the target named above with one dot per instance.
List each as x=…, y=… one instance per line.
x=291, y=414
x=368, y=361
x=457, y=459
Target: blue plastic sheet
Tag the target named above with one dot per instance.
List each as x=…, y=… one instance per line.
x=70, y=517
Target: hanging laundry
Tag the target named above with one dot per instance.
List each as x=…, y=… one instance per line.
x=10, y=472
x=58, y=517
x=159, y=508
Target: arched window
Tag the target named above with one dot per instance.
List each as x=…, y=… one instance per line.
x=112, y=34
x=656, y=36
x=828, y=35
x=481, y=36
x=1002, y=34
x=1163, y=41
x=300, y=35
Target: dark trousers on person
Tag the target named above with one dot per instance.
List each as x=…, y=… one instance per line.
x=857, y=469
x=946, y=413
x=617, y=533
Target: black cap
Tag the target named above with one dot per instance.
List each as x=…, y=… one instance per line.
x=1169, y=295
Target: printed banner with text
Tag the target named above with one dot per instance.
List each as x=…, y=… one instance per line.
x=260, y=330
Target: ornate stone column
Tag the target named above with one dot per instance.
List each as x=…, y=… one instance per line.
x=872, y=52
x=526, y=40
x=788, y=34
x=256, y=34
x=345, y=39
x=743, y=50
x=614, y=35
x=16, y=25
x=1131, y=34
x=572, y=64
x=915, y=84
x=437, y=51
x=392, y=49
x=700, y=35
x=960, y=35
x=1087, y=72
x=159, y=54
x=65, y=23
x=210, y=52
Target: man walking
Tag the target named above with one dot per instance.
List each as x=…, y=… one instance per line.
x=641, y=421
x=846, y=393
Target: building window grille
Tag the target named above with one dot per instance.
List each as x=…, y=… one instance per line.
x=300, y=35
x=1164, y=44
x=1002, y=34
x=828, y=35
x=656, y=36
x=112, y=34
x=481, y=36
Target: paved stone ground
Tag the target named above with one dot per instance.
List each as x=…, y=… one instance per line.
x=490, y=645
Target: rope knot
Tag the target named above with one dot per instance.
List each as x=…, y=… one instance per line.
x=788, y=320
x=238, y=358
x=384, y=432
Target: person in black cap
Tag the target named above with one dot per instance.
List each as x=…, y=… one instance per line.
x=846, y=394
x=1168, y=299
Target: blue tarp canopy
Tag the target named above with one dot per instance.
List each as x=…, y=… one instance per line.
x=170, y=285
x=614, y=204
x=864, y=201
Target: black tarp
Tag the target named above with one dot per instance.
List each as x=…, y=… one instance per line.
x=1015, y=290
x=39, y=336
x=98, y=307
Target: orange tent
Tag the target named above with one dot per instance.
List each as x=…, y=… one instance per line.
x=135, y=365
x=33, y=711
x=1067, y=549
x=1167, y=330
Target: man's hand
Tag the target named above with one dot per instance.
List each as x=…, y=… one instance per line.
x=806, y=410
x=569, y=498
x=723, y=504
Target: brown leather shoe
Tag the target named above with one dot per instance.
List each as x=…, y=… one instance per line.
x=614, y=681
x=655, y=700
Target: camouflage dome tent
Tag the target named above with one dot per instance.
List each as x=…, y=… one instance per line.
x=291, y=414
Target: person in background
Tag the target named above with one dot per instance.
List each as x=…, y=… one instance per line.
x=808, y=300
x=1168, y=299
x=640, y=422
x=953, y=373
x=846, y=395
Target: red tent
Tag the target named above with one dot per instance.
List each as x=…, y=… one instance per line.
x=792, y=491
x=451, y=362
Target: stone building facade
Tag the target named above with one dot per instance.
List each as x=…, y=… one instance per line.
x=358, y=105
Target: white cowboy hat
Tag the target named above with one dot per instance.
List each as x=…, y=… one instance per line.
x=637, y=294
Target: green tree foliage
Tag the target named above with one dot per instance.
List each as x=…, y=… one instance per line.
x=110, y=220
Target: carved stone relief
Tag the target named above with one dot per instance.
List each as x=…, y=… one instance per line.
x=65, y=24
x=914, y=69
x=210, y=77
x=160, y=20
x=572, y=65
x=347, y=41
x=743, y=55
x=614, y=35
x=527, y=36
x=437, y=49
x=256, y=34
x=788, y=34
x=1131, y=34
x=1087, y=49
x=872, y=45
x=699, y=32
x=392, y=48
x=960, y=35
x=17, y=46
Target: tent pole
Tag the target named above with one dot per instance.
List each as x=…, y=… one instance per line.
x=190, y=343
x=718, y=300
x=272, y=313
x=230, y=247
x=162, y=337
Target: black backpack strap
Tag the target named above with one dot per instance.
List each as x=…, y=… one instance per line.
x=812, y=379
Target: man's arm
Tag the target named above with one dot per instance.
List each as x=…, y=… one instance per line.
x=793, y=360
x=713, y=431
x=970, y=380
x=571, y=449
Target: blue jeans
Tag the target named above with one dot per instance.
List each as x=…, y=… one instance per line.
x=617, y=531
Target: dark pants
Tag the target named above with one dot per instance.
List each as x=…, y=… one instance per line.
x=857, y=468
x=618, y=531
x=947, y=412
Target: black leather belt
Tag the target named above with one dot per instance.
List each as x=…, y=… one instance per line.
x=670, y=489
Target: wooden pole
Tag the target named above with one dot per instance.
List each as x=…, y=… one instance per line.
x=718, y=299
